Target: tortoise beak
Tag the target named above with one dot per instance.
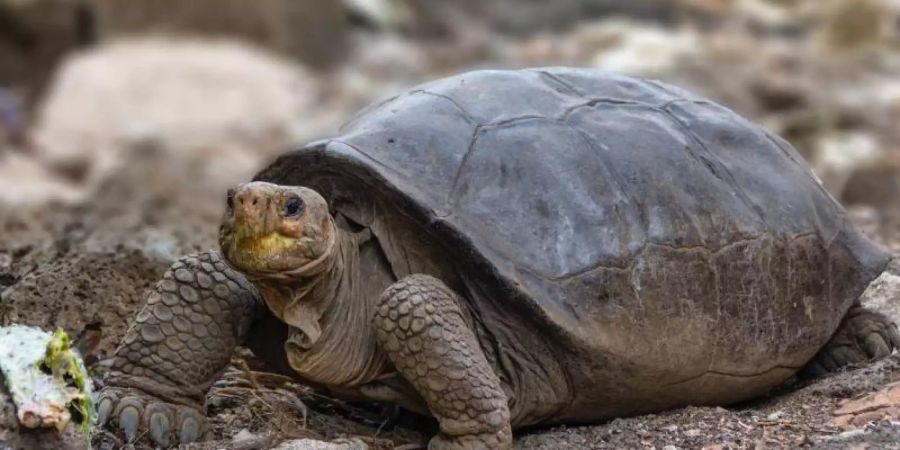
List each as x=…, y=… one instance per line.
x=252, y=209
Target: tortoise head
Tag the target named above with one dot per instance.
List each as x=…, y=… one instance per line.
x=272, y=230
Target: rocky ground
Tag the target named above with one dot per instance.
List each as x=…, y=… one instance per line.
x=124, y=165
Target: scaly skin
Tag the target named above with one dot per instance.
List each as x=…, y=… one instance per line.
x=421, y=327
x=175, y=349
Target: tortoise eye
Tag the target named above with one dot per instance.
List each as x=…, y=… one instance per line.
x=293, y=207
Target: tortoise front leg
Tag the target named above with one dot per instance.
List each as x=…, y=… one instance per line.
x=177, y=346
x=421, y=327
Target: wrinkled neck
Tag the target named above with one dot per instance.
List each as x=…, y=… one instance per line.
x=332, y=340
x=300, y=297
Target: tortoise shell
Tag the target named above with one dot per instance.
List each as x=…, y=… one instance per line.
x=627, y=217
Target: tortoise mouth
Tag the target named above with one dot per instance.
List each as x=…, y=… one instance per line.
x=252, y=252
x=276, y=257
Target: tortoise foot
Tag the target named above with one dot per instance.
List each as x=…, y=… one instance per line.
x=488, y=441
x=178, y=344
x=863, y=336
x=136, y=414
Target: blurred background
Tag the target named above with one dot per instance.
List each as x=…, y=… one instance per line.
x=200, y=93
x=122, y=122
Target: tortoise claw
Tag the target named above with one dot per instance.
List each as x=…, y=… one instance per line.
x=876, y=346
x=104, y=408
x=190, y=430
x=129, y=419
x=160, y=423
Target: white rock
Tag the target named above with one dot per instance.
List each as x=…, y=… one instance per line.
x=26, y=181
x=196, y=100
x=245, y=440
x=639, y=49
x=384, y=13
x=312, y=444
x=838, y=155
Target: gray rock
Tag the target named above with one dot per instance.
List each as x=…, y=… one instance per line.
x=883, y=294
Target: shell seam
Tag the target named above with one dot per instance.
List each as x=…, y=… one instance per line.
x=738, y=188
x=449, y=99
x=734, y=375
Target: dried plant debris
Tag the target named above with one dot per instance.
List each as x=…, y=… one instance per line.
x=46, y=378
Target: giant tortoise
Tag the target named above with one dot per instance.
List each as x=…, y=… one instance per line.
x=501, y=249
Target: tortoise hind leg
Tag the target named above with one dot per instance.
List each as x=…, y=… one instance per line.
x=864, y=335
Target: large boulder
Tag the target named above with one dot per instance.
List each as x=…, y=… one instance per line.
x=219, y=108
x=311, y=30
